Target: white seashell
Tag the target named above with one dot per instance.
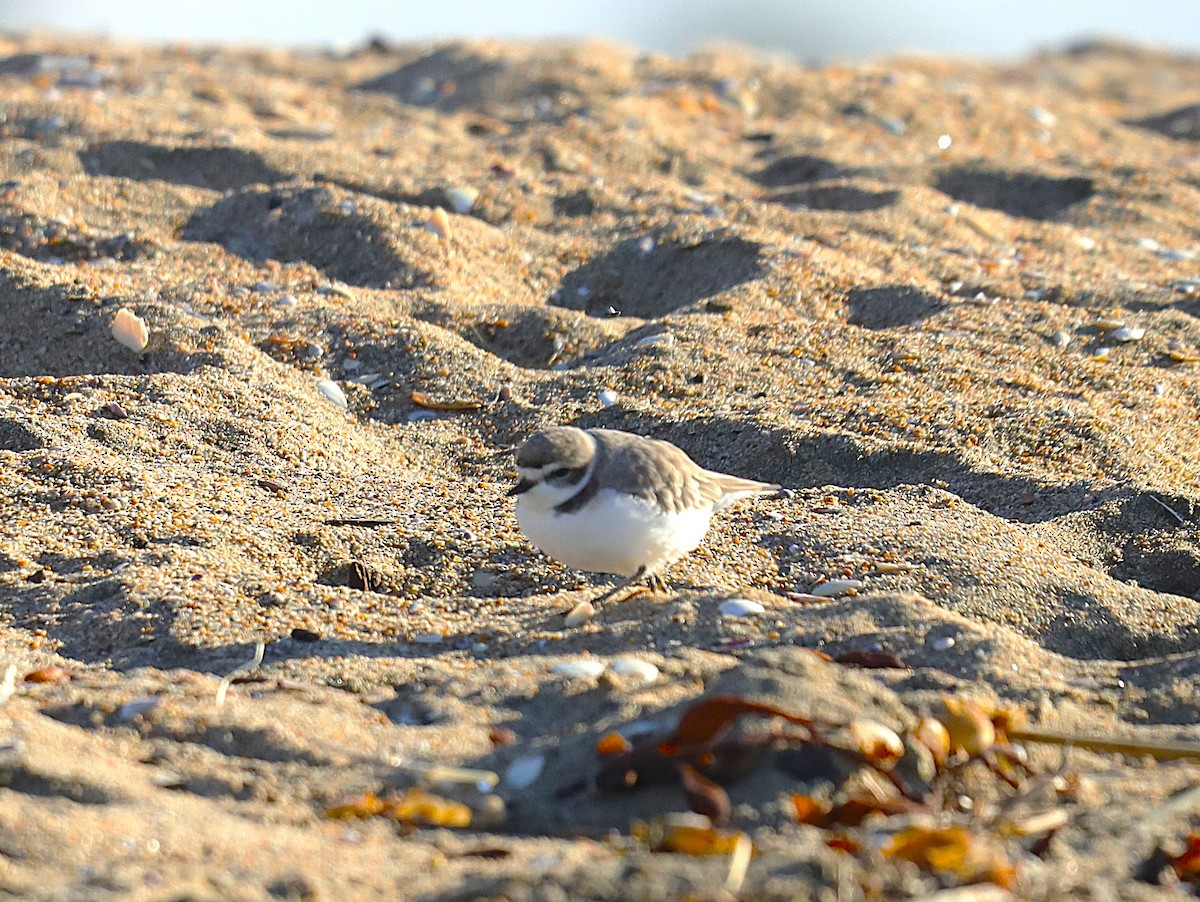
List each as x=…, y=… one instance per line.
x=462, y=199
x=581, y=613
x=1129, y=333
x=741, y=607
x=635, y=667
x=523, y=772
x=1085, y=242
x=130, y=330
x=835, y=587
x=941, y=643
x=332, y=393
x=586, y=668
x=608, y=397
x=1149, y=244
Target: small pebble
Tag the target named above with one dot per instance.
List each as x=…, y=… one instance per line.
x=287, y=302
x=941, y=643
x=332, y=393
x=523, y=772
x=1061, y=338
x=608, y=397
x=462, y=199
x=1043, y=117
x=741, y=607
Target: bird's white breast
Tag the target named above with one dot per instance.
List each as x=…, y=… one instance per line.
x=614, y=533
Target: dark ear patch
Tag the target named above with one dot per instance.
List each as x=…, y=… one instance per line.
x=571, y=475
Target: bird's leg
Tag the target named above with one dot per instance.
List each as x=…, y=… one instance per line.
x=623, y=584
x=658, y=584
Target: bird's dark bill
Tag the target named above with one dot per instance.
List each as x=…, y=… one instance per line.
x=521, y=487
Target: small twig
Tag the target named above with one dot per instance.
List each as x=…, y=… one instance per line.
x=259, y=650
x=1170, y=510
x=9, y=685
x=1162, y=751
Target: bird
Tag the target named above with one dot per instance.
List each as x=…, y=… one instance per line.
x=607, y=501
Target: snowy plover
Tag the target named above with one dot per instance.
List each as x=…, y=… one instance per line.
x=612, y=502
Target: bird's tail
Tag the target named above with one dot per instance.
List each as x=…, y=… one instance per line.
x=736, y=489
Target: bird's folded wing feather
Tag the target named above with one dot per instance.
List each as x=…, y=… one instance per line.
x=664, y=475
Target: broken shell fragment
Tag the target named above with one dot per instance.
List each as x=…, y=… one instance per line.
x=1128, y=333
x=130, y=330
x=586, y=668
x=332, y=393
x=635, y=668
x=967, y=725
x=880, y=745
x=581, y=613
x=932, y=734
x=741, y=607
x=834, y=587
x=439, y=222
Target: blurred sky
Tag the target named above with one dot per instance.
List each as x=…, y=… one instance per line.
x=812, y=31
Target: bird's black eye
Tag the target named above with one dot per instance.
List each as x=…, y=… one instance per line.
x=560, y=472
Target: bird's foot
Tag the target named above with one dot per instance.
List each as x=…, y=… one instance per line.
x=657, y=584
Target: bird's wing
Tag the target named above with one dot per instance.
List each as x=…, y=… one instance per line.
x=664, y=475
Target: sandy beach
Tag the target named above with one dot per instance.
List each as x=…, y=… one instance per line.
x=953, y=307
